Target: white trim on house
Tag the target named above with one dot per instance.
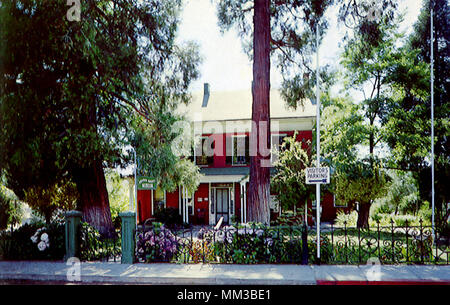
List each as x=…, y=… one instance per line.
x=212, y=221
x=221, y=178
x=243, y=126
x=243, y=188
x=210, y=206
x=184, y=202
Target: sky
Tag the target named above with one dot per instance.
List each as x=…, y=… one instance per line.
x=225, y=65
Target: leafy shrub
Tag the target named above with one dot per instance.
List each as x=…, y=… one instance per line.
x=95, y=247
x=288, y=218
x=255, y=243
x=404, y=220
x=10, y=208
x=348, y=220
x=33, y=242
x=326, y=250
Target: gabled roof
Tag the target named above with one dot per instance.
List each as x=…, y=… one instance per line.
x=237, y=105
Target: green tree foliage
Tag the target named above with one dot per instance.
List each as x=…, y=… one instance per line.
x=409, y=126
x=70, y=90
x=118, y=195
x=46, y=201
x=290, y=177
x=356, y=179
x=356, y=130
x=359, y=184
x=10, y=208
x=159, y=157
x=402, y=196
x=280, y=30
x=292, y=39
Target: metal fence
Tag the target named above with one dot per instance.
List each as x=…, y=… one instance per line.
x=388, y=244
x=245, y=245
x=253, y=244
x=94, y=247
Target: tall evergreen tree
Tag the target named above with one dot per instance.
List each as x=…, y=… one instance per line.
x=409, y=127
x=281, y=29
x=69, y=89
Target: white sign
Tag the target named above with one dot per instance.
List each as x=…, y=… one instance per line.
x=315, y=175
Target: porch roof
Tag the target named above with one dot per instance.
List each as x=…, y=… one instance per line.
x=226, y=174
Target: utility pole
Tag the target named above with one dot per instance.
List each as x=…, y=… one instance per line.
x=432, y=116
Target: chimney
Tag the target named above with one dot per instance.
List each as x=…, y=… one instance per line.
x=205, y=95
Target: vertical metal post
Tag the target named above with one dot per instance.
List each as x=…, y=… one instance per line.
x=135, y=189
x=73, y=220
x=318, y=140
x=128, y=243
x=432, y=117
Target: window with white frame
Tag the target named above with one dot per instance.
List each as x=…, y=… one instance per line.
x=204, y=151
x=238, y=150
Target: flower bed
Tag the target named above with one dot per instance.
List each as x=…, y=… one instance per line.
x=249, y=244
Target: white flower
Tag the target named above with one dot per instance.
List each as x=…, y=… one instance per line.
x=41, y=246
x=245, y=231
x=34, y=238
x=259, y=232
x=219, y=236
x=44, y=237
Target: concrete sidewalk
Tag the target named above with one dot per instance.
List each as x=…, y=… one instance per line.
x=219, y=274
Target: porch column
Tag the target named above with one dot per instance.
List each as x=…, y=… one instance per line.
x=243, y=201
x=184, y=204
x=241, y=188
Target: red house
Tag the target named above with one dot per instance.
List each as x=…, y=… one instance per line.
x=223, y=122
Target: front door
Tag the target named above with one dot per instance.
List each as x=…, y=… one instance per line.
x=222, y=203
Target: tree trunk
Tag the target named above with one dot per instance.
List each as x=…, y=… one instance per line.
x=94, y=202
x=259, y=184
x=363, y=215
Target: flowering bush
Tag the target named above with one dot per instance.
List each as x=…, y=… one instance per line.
x=157, y=244
x=33, y=242
x=41, y=238
x=254, y=243
x=201, y=250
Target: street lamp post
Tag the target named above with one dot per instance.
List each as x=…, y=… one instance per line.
x=317, y=140
x=432, y=118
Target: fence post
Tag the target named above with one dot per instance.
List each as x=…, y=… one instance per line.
x=128, y=238
x=73, y=220
x=305, y=245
